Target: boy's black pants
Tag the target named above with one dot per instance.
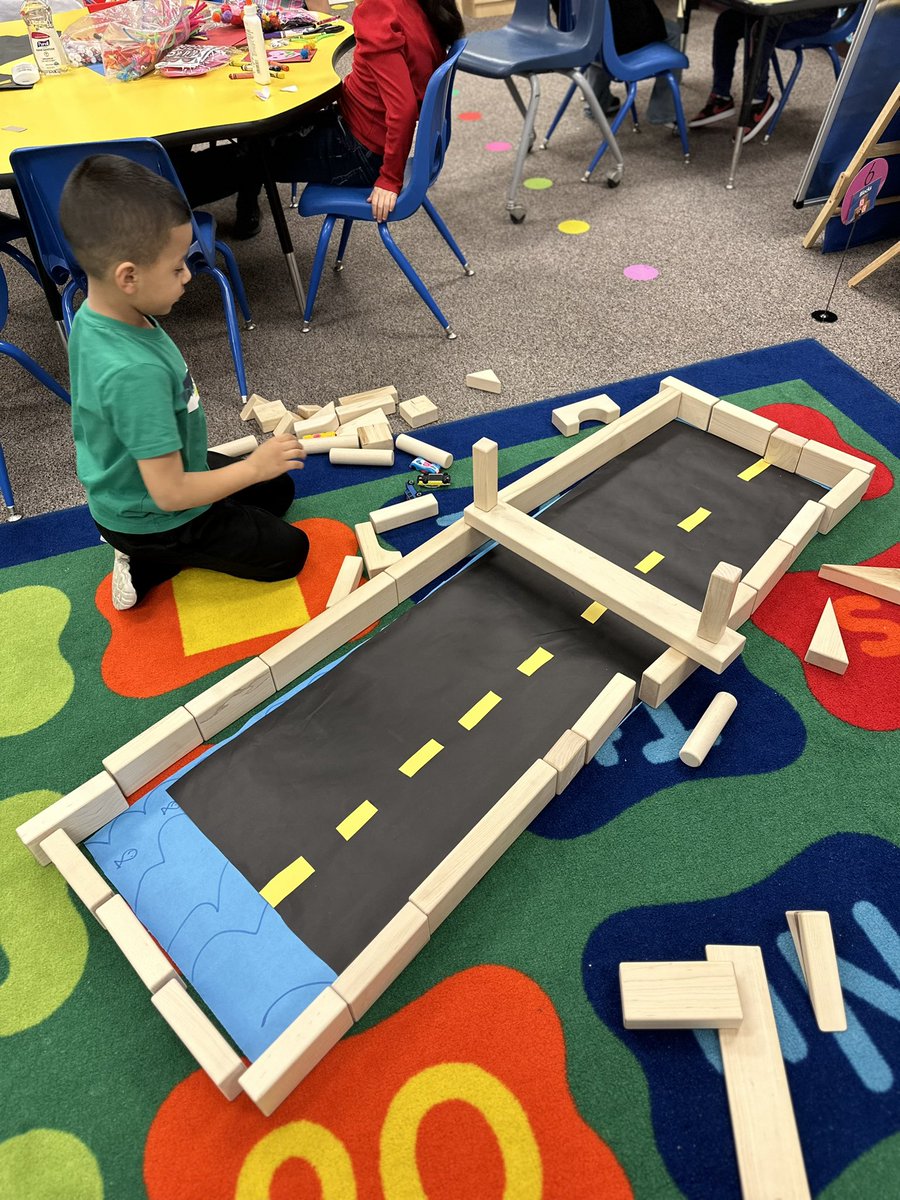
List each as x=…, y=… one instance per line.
x=242, y=535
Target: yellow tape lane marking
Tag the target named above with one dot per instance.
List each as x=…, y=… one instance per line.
x=355, y=821
x=594, y=612
x=695, y=519
x=287, y=881
x=754, y=469
x=535, y=662
x=421, y=758
x=479, y=711
x=653, y=559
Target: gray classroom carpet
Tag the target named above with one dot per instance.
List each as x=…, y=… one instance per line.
x=549, y=313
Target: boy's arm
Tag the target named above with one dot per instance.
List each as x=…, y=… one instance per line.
x=174, y=489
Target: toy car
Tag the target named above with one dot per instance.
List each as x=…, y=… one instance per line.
x=429, y=482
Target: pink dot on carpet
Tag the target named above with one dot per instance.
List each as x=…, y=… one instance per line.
x=470, y=116
x=498, y=147
x=640, y=271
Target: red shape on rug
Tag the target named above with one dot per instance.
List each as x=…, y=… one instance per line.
x=868, y=694
x=389, y=1103
x=809, y=423
x=145, y=655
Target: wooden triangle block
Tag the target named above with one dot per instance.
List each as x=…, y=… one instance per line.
x=813, y=941
x=883, y=582
x=485, y=381
x=827, y=646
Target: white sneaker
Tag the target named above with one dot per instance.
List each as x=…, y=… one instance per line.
x=123, y=594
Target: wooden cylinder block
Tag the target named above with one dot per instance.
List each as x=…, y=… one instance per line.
x=236, y=449
x=411, y=445
x=708, y=728
x=362, y=458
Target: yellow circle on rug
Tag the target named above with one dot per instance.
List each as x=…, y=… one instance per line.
x=573, y=227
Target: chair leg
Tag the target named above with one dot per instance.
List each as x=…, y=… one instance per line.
x=293, y=203
x=6, y=491
x=26, y=361
x=559, y=115
x=406, y=267
x=785, y=96
x=835, y=60
x=316, y=273
x=68, y=305
x=234, y=335
x=438, y=221
x=608, y=134
x=22, y=259
x=776, y=67
x=679, y=115
x=237, y=284
x=342, y=245
x=514, y=207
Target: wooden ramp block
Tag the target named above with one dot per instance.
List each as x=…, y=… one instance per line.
x=881, y=582
x=388, y=393
x=768, y=569
x=770, y=1160
x=285, y=425
x=824, y=464
x=404, y=513
x=169, y=739
x=347, y=580
x=483, y=381
x=707, y=729
x=136, y=944
x=268, y=416
x=485, y=459
x=601, y=717
x=231, y=698
x=679, y=995
x=198, y=1035
x=376, y=558
x=694, y=405
x=411, y=445
x=814, y=943
x=440, y=553
x=567, y=756
x=418, y=411
x=324, y=443
x=305, y=411
x=783, y=449
x=308, y=1038
x=236, y=449
x=721, y=593
x=843, y=497
x=376, y=437
x=80, y=813
x=250, y=407
x=376, y=417
x=376, y=968
x=361, y=458
x=827, y=646
x=803, y=528
x=569, y=418
x=452, y=880
x=740, y=427
x=325, y=421
x=78, y=871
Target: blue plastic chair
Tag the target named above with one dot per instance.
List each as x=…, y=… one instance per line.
x=647, y=62
x=432, y=140
x=529, y=45
x=41, y=174
x=819, y=41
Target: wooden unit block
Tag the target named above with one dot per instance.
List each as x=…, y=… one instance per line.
x=484, y=381
x=605, y=713
x=361, y=458
x=768, y=569
x=423, y=565
x=136, y=763
x=411, y=445
x=199, y=1036
x=249, y=408
x=567, y=756
x=383, y=400
x=136, y=944
x=628, y=595
x=285, y=425
x=389, y=393
x=707, y=729
x=744, y=603
x=783, y=449
x=569, y=418
x=418, y=412
x=803, y=528
x=376, y=417
x=308, y=645
x=308, y=1038
x=827, y=646
x=376, y=558
x=740, y=427
x=347, y=580
x=80, y=813
x=470, y=860
x=268, y=416
x=679, y=995
x=664, y=675
x=325, y=421
x=78, y=871
x=721, y=594
x=236, y=449
x=376, y=968
x=694, y=405
x=882, y=582
x=376, y=437
x=814, y=943
x=824, y=464
x=485, y=460
x=843, y=497
x=231, y=698
x=404, y=513
x=770, y=1160
x=305, y=411
x=324, y=443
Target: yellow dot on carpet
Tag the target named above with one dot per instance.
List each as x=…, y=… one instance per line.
x=573, y=227
x=537, y=183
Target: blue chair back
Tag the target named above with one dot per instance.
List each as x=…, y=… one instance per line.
x=611, y=60
x=433, y=134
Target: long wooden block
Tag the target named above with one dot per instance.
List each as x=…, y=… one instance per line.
x=471, y=859
x=376, y=968
x=664, y=675
x=375, y=416
x=770, y=1160
x=236, y=449
x=721, y=593
x=707, y=729
x=308, y=645
x=843, y=497
x=232, y=697
x=569, y=418
x=308, y=1038
x=377, y=436
x=169, y=739
x=631, y=597
x=567, y=756
x=323, y=422
x=881, y=582
x=679, y=995
x=827, y=646
x=411, y=445
x=814, y=943
x=404, y=513
x=381, y=400
x=361, y=458
x=740, y=427
x=347, y=580
x=136, y=944
x=324, y=443
x=418, y=411
x=80, y=813
x=605, y=713
x=768, y=569
x=783, y=449
x=695, y=406
x=803, y=528
x=79, y=873
x=376, y=558
x=193, y=1028
x=439, y=554
x=824, y=464
x=485, y=459
x=389, y=393
x=744, y=603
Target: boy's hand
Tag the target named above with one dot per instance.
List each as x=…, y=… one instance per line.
x=276, y=457
x=382, y=202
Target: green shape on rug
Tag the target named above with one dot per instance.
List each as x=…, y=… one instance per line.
x=43, y=937
x=35, y=679
x=49, y=1164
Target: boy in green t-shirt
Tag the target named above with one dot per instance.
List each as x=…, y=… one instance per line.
x=139, y=428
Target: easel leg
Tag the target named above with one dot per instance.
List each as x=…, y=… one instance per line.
x=873, y=266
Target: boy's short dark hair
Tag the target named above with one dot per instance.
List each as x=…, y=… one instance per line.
x=114, y=210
